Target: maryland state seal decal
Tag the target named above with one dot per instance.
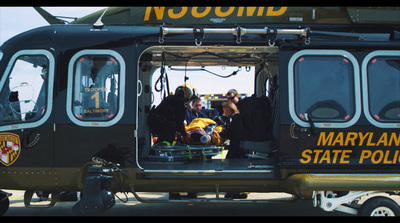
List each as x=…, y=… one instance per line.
x=9, y=148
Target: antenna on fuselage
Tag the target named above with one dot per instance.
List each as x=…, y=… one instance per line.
x=99, y=24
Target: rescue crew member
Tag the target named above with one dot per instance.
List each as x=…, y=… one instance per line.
x=198, y=112
x=173, y=109
x=168, y=118
x=234, y=150
x=232, y=95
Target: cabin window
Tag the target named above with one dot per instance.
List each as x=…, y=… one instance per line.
x=324, y=88
x=26, y=90
x=381, y=73
x=95, y=94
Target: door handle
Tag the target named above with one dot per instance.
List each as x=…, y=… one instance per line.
x=29, y=143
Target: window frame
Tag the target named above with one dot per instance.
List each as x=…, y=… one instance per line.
x=365, y=92
x=121, y=87
x=50, y=87
x=357, y=88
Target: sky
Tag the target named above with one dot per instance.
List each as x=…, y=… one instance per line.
x=15, y=20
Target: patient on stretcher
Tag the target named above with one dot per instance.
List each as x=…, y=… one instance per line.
x=204, y=131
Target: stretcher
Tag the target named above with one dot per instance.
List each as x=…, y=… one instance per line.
x=168, y=153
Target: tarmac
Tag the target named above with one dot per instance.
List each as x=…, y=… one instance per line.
x=280, y=204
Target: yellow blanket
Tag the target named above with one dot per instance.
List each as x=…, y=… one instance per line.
x=204, y=122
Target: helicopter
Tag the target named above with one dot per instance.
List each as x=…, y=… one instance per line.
x=75, y=100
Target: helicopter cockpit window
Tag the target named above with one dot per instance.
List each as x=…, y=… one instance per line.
x=95, y=94
x=382, y=95
x=25, y=90
x=324, y=89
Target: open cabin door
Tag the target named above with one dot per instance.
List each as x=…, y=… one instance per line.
x=206, y=157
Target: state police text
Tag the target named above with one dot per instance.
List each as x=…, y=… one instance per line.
x=364, y=147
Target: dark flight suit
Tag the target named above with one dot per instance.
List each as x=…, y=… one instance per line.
x=170, y=114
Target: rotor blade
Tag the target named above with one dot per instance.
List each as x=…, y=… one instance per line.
x=48, y=17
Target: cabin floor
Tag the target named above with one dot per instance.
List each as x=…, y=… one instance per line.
x=213, y=159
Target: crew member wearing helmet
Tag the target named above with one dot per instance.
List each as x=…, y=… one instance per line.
x=170, y=115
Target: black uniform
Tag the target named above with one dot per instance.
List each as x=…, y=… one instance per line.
x=167, y=119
